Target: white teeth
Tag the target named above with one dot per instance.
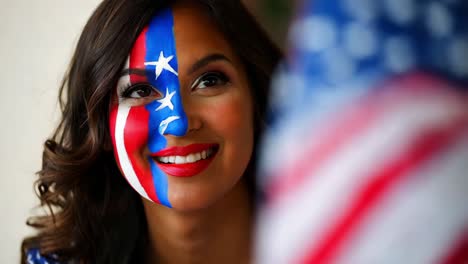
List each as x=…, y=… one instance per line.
x=179, y=160
x=190, y=158
x=172, y=159
x=194, y=157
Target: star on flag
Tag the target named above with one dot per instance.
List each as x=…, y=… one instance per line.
x=165, y=123
x=162, y=64
x=166, y=101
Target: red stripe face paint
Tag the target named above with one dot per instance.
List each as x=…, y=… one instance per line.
x=148, y=108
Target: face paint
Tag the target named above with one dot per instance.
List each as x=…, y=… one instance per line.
x=153, y=61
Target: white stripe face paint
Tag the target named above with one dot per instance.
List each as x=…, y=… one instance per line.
x=125, y=164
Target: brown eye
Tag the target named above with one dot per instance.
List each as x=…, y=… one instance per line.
x=140, y=91
x=210, y=79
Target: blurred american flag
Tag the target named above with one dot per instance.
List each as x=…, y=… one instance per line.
x=366, y=156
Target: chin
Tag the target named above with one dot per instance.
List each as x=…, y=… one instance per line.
x=205, y=195
x=186, y=204
x=193, y=197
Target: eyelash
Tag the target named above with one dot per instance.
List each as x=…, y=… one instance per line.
x=220, y=77
x=130, y=89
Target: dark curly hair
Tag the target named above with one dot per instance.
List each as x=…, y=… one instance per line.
x=94, y=217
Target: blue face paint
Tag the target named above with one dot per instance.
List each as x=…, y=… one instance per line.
x=167, y=116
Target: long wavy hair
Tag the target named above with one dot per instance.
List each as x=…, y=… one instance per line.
x=93, y=215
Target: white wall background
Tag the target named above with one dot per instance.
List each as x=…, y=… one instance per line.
x=36, y=42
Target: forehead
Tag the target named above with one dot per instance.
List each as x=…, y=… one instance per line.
x=194, y=33
x=195, y=30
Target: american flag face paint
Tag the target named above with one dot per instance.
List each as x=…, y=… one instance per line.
x=150, y=72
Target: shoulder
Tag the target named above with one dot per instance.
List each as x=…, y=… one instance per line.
x=33, y=256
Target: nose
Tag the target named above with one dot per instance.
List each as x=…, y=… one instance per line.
x=194, y=118
x=184, y=121
x=166, y=118
x=176, y=124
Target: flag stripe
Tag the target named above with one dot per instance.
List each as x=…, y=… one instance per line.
x=341, y=129
x=323, y=194
x=335, y=136
x=137, y=57
x=136, y=136
x=161, y=27
x=413, y=207
x=126, y=166
x=459, y=252
x=431, y=142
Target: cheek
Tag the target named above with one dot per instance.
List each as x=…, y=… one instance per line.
x=129, y=125
x=235, y=124
x=233, y=120
x=129, y=131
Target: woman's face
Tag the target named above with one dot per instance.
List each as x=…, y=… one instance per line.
x=182, y=125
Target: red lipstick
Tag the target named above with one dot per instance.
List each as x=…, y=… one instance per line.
x=187, y=169
x=184, y=151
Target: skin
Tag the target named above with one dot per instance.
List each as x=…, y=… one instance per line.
x=210, y=218
x=223, y=116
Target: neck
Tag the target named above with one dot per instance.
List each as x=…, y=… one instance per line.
x=218, y=234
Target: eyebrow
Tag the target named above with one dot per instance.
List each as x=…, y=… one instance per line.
x=197, y=65
x=135, y=71
x=207, y=60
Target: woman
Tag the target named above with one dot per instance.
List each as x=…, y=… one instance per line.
x=171, y=96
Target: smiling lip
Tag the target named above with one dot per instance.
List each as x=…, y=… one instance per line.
x=187, y=169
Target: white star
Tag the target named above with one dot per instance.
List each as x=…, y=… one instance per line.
x=30, y=259
x=166, y=101
x=165, y=123
x=162, y=64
